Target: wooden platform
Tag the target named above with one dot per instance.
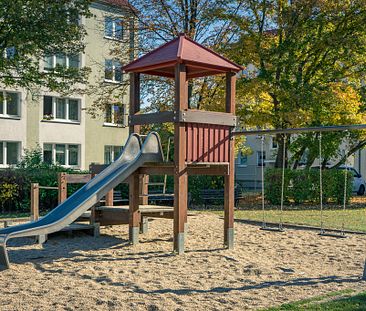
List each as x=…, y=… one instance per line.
x=119, y=215
x=92, y=229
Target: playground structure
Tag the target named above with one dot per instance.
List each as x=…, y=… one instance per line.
x=203, y=146
x=202, y=139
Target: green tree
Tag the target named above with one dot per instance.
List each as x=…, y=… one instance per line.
x=157, y=22
x=305, y=64
x=32, y=29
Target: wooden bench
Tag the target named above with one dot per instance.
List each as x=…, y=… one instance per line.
x=217, y=195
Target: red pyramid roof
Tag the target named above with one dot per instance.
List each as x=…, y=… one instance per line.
x=199, y=60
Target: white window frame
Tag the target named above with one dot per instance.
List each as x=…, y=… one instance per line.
x=259, y=160
x=54, y=62
x=66, y=154
x=273, y=140
x=114, y=32
x=112, y=153
x=67, y=99
x=114, y=61
x=113, y=123
x=240, y=155
x=5, y=108
x=5, y=151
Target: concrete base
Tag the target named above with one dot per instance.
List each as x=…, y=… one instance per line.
x=179, y=243
x=40, y=239
x=364, y=272
x=229, y=243
x=96, y=230
x=144, y=225
x=134, y=235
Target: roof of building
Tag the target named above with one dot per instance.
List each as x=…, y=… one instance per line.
x=119, y=4
x=199, y=60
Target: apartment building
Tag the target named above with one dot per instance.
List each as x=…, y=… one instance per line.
x=60, y=125
x=248, y=166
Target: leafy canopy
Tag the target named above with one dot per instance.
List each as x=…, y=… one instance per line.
x=305, y=65
x=31, y=29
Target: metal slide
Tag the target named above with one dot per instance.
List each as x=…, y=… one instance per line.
x=132, y=157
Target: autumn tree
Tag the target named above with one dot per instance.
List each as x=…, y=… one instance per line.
x=157, y=22
x=30, y=30
x=305, y=66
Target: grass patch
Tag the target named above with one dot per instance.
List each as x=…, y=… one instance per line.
x=354, y=219
x=336, y=301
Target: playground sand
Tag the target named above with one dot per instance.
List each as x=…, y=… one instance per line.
x=265, y=269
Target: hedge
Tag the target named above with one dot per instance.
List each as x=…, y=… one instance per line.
x=15, y=188
x=302, y=186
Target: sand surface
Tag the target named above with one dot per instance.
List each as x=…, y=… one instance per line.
x=105, y=273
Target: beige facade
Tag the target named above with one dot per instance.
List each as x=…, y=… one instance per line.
x=100, y=133
x=248, y=167
x=60, y=125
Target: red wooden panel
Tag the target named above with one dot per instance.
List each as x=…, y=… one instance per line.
x=227, y=145
x=200, y=144
x=211, y=132
x=194, y=143
x=207, y=143
x=221, y=146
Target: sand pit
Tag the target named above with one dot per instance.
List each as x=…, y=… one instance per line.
x=265, y=269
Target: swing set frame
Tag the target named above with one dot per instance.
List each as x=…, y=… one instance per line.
x=263, y=132
x=320, y=130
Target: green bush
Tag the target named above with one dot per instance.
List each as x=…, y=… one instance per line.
x=15, y=184
x=303, y=186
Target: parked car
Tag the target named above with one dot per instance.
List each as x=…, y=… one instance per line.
x=359, y=184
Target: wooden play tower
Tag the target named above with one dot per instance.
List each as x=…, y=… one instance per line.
x=203, y=144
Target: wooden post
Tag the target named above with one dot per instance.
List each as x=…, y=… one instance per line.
x=109, y=198
x=34, y=201
x=134, y=216
x=40, y=239
x=92, y=210
x=144, y=189
x=180, y=169
x=62, y=187
x=229, y=193
x=134, y=190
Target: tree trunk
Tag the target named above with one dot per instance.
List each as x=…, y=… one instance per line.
x=280, y=152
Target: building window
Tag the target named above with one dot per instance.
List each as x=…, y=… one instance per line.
x=274, y=143
x=115, y=115
x=111, y=153
x=113, y=28
x=10, y=52
x=61, y=60
x=113, y=71
x=62, y=154
x=242, y=159
x=65, y=109
x=261, y=158
x=9, y=153
x=9, y=104
x=74, y=18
